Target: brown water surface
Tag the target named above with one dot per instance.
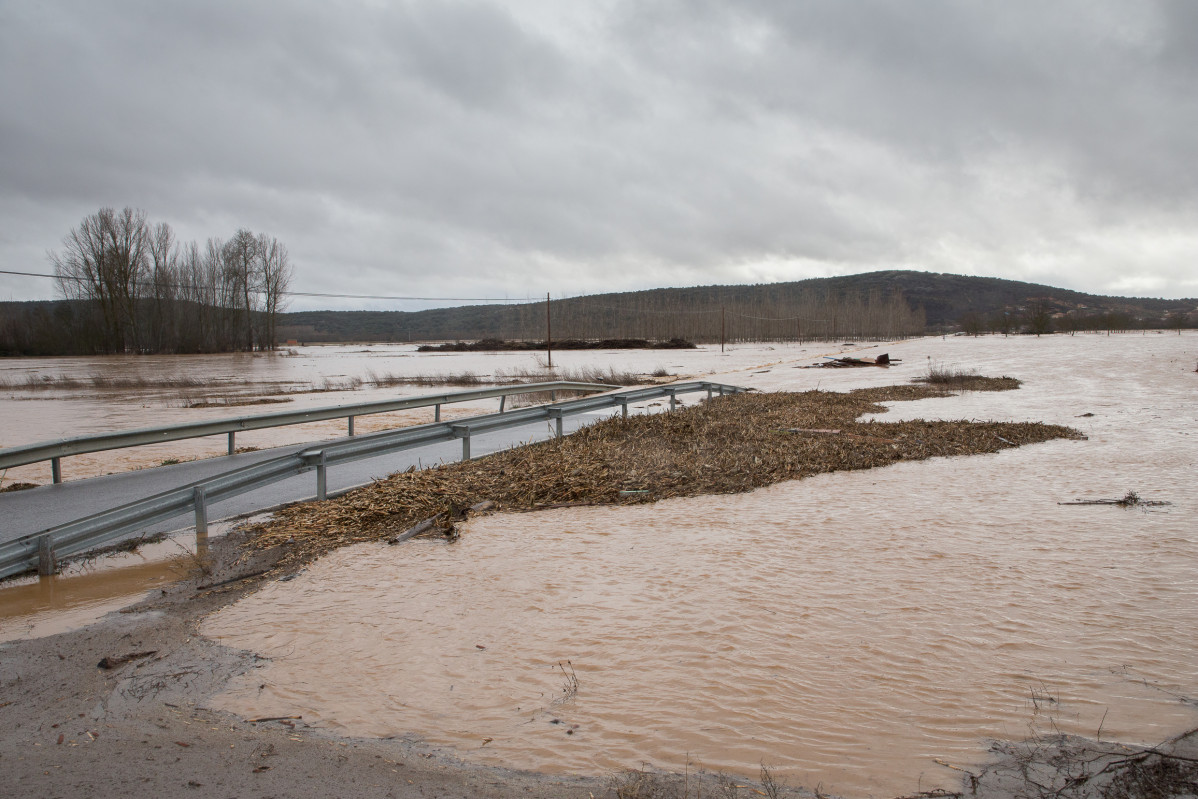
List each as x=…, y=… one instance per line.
x=33, y=607
x=849, y=629
x=48, y=398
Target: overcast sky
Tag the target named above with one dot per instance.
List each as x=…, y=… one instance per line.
x=508, y=149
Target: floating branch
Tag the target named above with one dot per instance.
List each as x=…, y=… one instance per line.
x=1130, y=500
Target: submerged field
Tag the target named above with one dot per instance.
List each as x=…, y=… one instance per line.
x=856, y=629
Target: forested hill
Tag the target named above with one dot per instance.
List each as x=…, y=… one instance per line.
x=819, y=306
x=871, y=305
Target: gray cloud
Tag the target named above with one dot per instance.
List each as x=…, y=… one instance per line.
x=508, y=149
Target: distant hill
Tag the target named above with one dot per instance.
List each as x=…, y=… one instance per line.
x=871, y=305
x=848, y=306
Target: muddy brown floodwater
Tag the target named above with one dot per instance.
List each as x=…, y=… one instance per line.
x=850, y=629
x=47, y=398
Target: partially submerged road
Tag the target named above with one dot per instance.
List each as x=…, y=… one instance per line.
x=37, y=509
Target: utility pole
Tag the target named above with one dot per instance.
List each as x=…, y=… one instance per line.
x=548, y=332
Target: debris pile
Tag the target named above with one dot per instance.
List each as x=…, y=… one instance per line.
x=728, y=445
x=503, y=345
x=833, y=362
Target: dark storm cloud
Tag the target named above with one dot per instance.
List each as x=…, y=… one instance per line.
x=512, y=148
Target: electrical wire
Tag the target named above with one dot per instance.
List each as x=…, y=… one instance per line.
x=290, y=293
x=572, y=300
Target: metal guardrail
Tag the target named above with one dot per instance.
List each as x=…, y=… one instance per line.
x=53, y=451
x=39, y=550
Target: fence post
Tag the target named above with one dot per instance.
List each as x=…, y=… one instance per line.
x=321, y=477
x=201, y=504
x=56, y=470
x=47, y=564
x=351, y=425
x=232, y=442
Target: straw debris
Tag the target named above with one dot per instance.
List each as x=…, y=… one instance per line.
x=729, y=445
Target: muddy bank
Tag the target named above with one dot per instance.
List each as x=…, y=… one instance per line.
x=71, y=728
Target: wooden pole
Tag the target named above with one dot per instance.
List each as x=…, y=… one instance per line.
x=548, y=332
x=721, y=328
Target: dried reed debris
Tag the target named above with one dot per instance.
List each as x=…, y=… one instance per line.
x=728, y=445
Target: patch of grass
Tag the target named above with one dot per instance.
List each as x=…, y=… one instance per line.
x=645, y=784
x=235, y=402
x=512, y=377
x=958, y=379
x=652, y=784
x=93, y=382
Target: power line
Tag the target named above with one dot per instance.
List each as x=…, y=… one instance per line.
x=572, y=300
x=288, y=293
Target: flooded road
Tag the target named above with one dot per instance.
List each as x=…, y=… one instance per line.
x=33, y=607
x=48, y=398
x=850, y=629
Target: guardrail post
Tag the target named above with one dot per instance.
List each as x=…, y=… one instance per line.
x=232, y=442
x=502, y=400
x=321, y=477
x=351, y=425
x=721, y=389
x=466, y=445
x=201, y=504
x=709, y=392
x=56, y=470
x=623, y=403
x=556, y=415
x=553, y=396
x=673, y=401
x=437, y=412
x=47, y=564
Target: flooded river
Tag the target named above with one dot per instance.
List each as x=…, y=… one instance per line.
x=850, y=629
x=48, y=398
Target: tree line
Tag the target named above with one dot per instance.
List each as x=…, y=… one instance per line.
x=132, y=287
x=1040, y=317
x=710, y=314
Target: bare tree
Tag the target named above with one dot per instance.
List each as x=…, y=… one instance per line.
x=163, y=263
x=274, y=273
x=104, y=260
x=241, y=271
x=1039, y=317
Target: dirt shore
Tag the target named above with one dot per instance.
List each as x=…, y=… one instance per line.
x=71, y=728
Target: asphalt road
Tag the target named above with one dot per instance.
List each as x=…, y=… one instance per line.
x=37, y=509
